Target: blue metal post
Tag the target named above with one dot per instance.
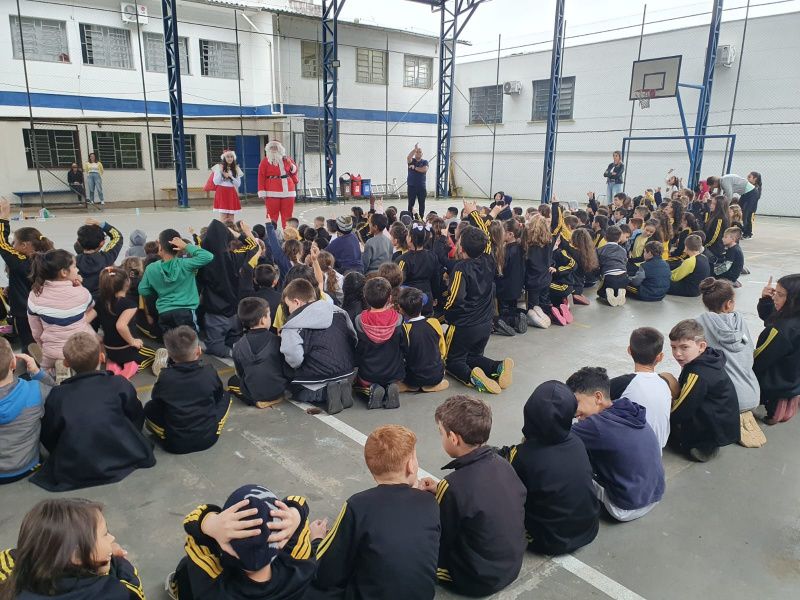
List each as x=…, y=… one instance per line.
x=704, y=106
x=552, y=113
x=683, y=123
x=330, y=66
x=172, y=46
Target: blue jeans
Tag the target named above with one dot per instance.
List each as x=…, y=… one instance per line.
x=611, y=190
x=95, y=183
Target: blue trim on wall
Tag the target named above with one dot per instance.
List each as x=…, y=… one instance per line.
x=121, y=105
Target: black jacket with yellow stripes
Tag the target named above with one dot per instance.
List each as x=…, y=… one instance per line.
x=91, y=264
x=482, y=508
x=209, y=573
x=425, y=351
x=19, y=270
x=777, y=354
x=706, y=413
x=121, y=583
x=470, y=299
x=382, y=546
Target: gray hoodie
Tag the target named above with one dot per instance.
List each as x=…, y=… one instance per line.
x=137, y=238
x=728, y=333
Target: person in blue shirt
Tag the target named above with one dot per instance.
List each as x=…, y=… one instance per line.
x=417, y=167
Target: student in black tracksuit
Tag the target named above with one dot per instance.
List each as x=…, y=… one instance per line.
x=421, y=268
x=94, y=257
x=685, y=279
x=481, y=504
x=717, y=221
x=424, y=349
x=538, y=259
x=260, y=570
x=561, y=509
x=260, y=379
x=188, y=406
x=92, y=425
x=705, y=415
x=469, y=310
x=509, y=285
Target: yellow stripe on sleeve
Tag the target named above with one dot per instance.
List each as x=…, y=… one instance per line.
x=685, y=391
x=773, y=333
x=203, y=558
x=134, y=588
x=453, y=290
x=441, y=489
x=195, y=514
x=512, y=455
x=302, y=549
x=326, y=543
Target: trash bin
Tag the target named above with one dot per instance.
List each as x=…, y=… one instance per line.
x=366, y=188
x=345, y=185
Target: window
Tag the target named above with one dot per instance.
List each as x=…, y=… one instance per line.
x=118, y=149
x=44, y=39
x=417, y=71
x=155, y=56
x=53, y=147
x=106, y=46
x=486, y=104
x=313, y=136
x=541, y=99
x=162, y=151
x=219, y=59
x=310, y=58
x=371, y=65
x=216, y=144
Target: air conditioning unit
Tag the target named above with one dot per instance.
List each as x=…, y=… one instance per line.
x=726, y=55
x=129, y=11
x=512, y=87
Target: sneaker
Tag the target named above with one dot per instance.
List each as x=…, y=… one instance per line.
x=780, y=413
x=439, y=387
x=160, y=361
x=750, y=434
x=791, y=408
x=483, y=383
x=392, y=399
x=129, y=369
x=521, y=326
x=745, y=271
x=171, y=587
x=113, y=367
x=566, y=312
x=62, y=371
x=737, y=284
x=347, y=392
x=703, y=454
x=503, y=373
x=404, y=388
x=268, y=403
x=557, y=316
x=333, y=398
x=503, y=328
x=376, y=396
x=537, y=318
x=580, y=299
x=35, y=350
x=621, y=297
x=611, y=297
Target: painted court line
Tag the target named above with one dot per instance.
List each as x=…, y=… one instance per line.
x=590, y=575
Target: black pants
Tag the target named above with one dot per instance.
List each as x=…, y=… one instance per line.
x=684, y=288
x=417, y=192
x=23, y=330
x=465, y=351
x=614, y=282
x=175, y=318
x=539, y=297
x=508, y=311
x=749, y=204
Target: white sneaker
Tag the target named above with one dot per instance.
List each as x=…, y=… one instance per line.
x=537, y=318
x=621, y=297
x=611, y=297
x=62, y=372
x=160, y=361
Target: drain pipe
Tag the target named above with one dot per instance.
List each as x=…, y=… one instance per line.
x=276, y=81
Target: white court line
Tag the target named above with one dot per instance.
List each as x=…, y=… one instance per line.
x=590, y=575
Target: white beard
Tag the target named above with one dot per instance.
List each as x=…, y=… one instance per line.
x=274, y=158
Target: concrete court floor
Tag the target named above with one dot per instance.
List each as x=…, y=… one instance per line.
x=726, y=529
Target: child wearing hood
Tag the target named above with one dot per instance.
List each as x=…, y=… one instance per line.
x=138, y=239
x=705, y=415
x=622, y=447
x=726, y=331
x=561, y=510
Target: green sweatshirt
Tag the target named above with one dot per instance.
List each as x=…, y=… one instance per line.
x=173, y=281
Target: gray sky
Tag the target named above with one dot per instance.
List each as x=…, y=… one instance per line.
x=529, y=21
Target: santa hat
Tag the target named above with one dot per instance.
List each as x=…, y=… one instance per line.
x=226, y=152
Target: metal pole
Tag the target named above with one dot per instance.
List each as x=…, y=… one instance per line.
x=386, y=125
x=494, y=128
x=552, y=104
x=738, y=74
x=239, y=84
x=558, y=100
x=146, y=110
x=34, y=153
x=633, y=104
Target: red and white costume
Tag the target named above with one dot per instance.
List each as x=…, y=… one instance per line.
x=226, y=194
x=276, y=182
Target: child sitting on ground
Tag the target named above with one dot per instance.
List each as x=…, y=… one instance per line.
x=92, y=425
x=93, y=257
x=622, y=447
x=510, y=282
x=353, y=294
x=266, y=279
x=538, y=259
x=385, y=541
x=379, y=353
x=685, y=279
x=731, y=264
x=778, y=349
x=188, y=405
x=483, y=533
x=652, y=280
x=64, y=550
x=137, y=239
x=613, y=260
x=378, y=248
x=424, y=346
x=318, y=341
x=21, y=410
x=260, y=548
x=561, y=510
x=705, y=415
x=420, y=267
x=644, y=386
x=260, y=380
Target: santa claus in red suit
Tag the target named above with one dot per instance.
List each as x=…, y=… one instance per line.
x=277, y=177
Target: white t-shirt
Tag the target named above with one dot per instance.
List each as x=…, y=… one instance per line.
x=652, y=392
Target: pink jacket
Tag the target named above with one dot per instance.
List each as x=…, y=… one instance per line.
x=55, y=314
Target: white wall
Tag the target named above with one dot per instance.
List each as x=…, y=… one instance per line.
x=767, y=94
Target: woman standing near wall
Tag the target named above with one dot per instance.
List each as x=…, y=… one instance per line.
x=227, y=177
x=93, y=169
x=613, y=175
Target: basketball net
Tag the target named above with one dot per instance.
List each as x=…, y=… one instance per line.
x=643, y=96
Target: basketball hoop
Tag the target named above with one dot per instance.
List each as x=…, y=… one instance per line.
x=643, y=96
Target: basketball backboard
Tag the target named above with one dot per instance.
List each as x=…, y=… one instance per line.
x=661, y=75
